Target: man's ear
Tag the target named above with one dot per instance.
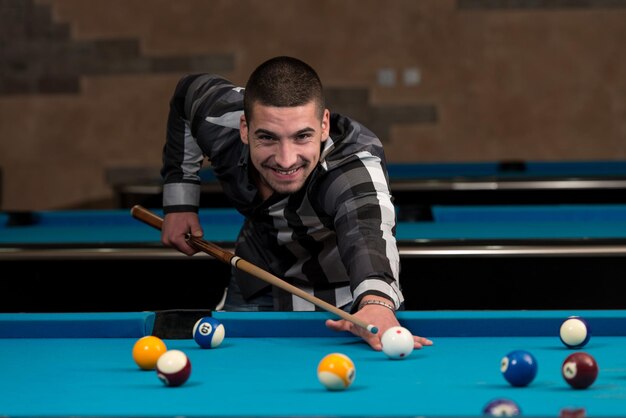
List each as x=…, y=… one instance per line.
x=325, y=125
x=243, y=129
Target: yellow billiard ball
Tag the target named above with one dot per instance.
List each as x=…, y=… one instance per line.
x=336, y=371
x=147, y=351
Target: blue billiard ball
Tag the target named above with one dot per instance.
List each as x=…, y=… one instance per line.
x=501, y=408
x=519, y=367
x=208, y=332
x=575, y=332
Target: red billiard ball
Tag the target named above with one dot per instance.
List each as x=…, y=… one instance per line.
x=580, y=370
x=573, y=413
x=173, y=368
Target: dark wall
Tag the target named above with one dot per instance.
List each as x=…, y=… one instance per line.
x=84, y=85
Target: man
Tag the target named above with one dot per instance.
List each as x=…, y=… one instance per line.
x=312, y=186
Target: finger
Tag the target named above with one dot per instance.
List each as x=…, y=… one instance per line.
x=343, y=325
x=373, y=341
x=425, y=341
x=190, y=250
x=340, y=325
x=419, y=342
x=184, y=247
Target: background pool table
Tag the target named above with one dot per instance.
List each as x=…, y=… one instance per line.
x=502, y=256
x=81, y=365
x=418, y=186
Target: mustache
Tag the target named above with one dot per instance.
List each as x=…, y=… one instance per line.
x=273, y=166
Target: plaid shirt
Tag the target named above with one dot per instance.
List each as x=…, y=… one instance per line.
x=335, y=238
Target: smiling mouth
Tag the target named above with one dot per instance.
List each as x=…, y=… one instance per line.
x=286, y=172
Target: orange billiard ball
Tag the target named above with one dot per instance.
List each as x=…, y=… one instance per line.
x=147, y=351
x=336, y=371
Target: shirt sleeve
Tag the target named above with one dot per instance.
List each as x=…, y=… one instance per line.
x=365, y=222
x=195, y=99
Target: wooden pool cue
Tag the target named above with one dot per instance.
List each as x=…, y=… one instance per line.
x=144, y=215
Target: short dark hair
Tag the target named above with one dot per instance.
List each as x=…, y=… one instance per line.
x=283, y=82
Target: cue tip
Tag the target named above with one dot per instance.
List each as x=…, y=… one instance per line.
x=371, y=328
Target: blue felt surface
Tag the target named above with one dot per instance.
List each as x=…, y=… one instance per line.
x=115, y=217
x=276, y=376
x=111, y=227
x=599, y=213
x=76, y=325
x=529, y=170
x=416, y=231
x=492, y=169
x=431, y=323
x=451, y=223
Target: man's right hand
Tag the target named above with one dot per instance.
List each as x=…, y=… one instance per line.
x=175, y=228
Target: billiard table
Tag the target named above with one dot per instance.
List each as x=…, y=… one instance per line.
x=502, y=256
x=80, y=364
x=417, y=186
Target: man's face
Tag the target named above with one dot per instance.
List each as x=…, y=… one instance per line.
x=285, y=145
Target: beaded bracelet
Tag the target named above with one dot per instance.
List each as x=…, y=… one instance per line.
x=376, y=302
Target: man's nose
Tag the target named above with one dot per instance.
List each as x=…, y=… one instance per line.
x=286, y=154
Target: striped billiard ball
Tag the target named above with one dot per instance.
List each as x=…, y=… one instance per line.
x=501, y=407
x=208, y=332
x=336, y=371
x=173, y=368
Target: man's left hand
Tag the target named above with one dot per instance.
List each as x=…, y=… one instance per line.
x=381, y=317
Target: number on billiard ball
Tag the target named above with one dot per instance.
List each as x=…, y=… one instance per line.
x=580, y=370
x=173, y=368
x=208, y=332
x=575, y=332
x=501, y=408
x=519, y=367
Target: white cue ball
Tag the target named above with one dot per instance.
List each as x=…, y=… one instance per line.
x=397, y=343
x=575, y=332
